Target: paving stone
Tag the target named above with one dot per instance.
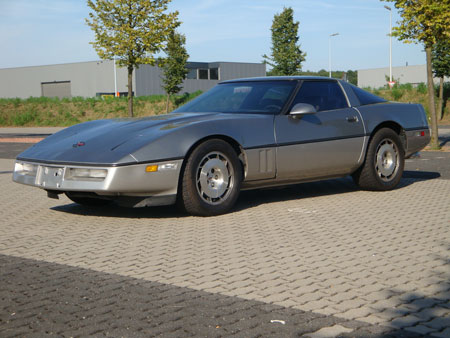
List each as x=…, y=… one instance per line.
x=420, y=329
x=389, y=314
x=296, y=247
x=349, y=304
x=444, y=334
x=429, y=313
x=371, y=319
x=423, y=303
x=355, y=313
x=332, y=331
x=439, y=323
x=405, y=321
x=383, y=304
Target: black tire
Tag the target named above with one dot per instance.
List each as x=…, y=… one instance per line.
x=211, y=180
x=88, y=201
x=384, y=162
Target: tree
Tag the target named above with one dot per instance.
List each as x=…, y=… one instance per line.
x=441, y=68
x=174, y=65
x=131, y=30
x=352, y=76
x=426, y=22
x=286, y=57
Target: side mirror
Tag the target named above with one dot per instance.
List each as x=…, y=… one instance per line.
x=302, y=109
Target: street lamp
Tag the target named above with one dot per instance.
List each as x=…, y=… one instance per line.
x=329, y=51
x=115, y=77
x=390, y=43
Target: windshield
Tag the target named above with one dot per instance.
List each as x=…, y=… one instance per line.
x=267, y=97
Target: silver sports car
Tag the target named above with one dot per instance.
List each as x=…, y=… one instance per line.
x=242, y=134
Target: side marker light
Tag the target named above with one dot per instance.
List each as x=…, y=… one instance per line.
x=151, y=168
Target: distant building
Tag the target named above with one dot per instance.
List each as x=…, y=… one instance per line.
x=376, y=77
x=89, y=79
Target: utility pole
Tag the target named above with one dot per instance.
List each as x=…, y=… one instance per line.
x=329, y=51
x=115, y=78
x=390, y=44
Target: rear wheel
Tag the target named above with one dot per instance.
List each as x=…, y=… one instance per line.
x=384, y=163
x=88, y=201
x=211, y=180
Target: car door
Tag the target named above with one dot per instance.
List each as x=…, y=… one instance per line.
x=326, y=143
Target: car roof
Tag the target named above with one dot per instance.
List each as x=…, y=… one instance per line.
x=280, y=78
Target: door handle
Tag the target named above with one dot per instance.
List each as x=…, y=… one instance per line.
x=352, y=119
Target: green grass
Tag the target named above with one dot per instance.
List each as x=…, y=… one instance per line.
x=418, y=94
x=44, y=111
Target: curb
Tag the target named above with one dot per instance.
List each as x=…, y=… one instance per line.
x=22, y=138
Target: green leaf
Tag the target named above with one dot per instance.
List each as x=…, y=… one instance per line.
x=286, y=56
x=133, y=31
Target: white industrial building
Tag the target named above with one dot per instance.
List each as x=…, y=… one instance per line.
x=376, y=77
x=93, y=78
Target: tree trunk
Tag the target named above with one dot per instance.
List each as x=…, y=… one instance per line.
x=167, y=103
x=130, y=91
x=434, y=129
x=441, y=99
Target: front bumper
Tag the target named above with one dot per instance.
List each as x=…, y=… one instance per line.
x=129, y=180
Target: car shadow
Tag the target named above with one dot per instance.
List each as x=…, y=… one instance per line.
x=443, y=141
x=252, y=198
x=426, y=309
x=116, y=211
x=421, y=175
x=247, y=199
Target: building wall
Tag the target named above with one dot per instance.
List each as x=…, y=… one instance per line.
x=148, y=82
x=148, y=78
x=231, y=70
x=86, y=79
x=89, y=78
x=376, y=78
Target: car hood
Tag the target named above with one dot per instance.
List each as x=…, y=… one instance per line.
x=108, y=141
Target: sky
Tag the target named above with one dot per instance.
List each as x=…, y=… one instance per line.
x=42, y=32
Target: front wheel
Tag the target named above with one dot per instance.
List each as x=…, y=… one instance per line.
x=211, y=180
x=384, y=163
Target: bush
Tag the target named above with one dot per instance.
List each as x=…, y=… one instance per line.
x=22, y=119
x=422, y=88
x=397, y=93
x=406, y=86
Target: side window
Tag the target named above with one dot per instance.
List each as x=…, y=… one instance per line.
x=214, y=73
x=203, y=74
x=274, y=99
x=192, y=74
x=365, y=97
x=323, y=95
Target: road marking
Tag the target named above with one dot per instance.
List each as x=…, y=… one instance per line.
x=302, y=211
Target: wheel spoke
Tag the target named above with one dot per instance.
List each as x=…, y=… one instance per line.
x=386, y=161
x=214, y=178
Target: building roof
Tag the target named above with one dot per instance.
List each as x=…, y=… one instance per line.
x=279, y=78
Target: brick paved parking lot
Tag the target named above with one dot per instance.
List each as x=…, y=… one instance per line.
x=318, y=259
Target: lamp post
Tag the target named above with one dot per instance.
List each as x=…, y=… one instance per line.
x=115, y=77
x=390, y=43
x=329, y=51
